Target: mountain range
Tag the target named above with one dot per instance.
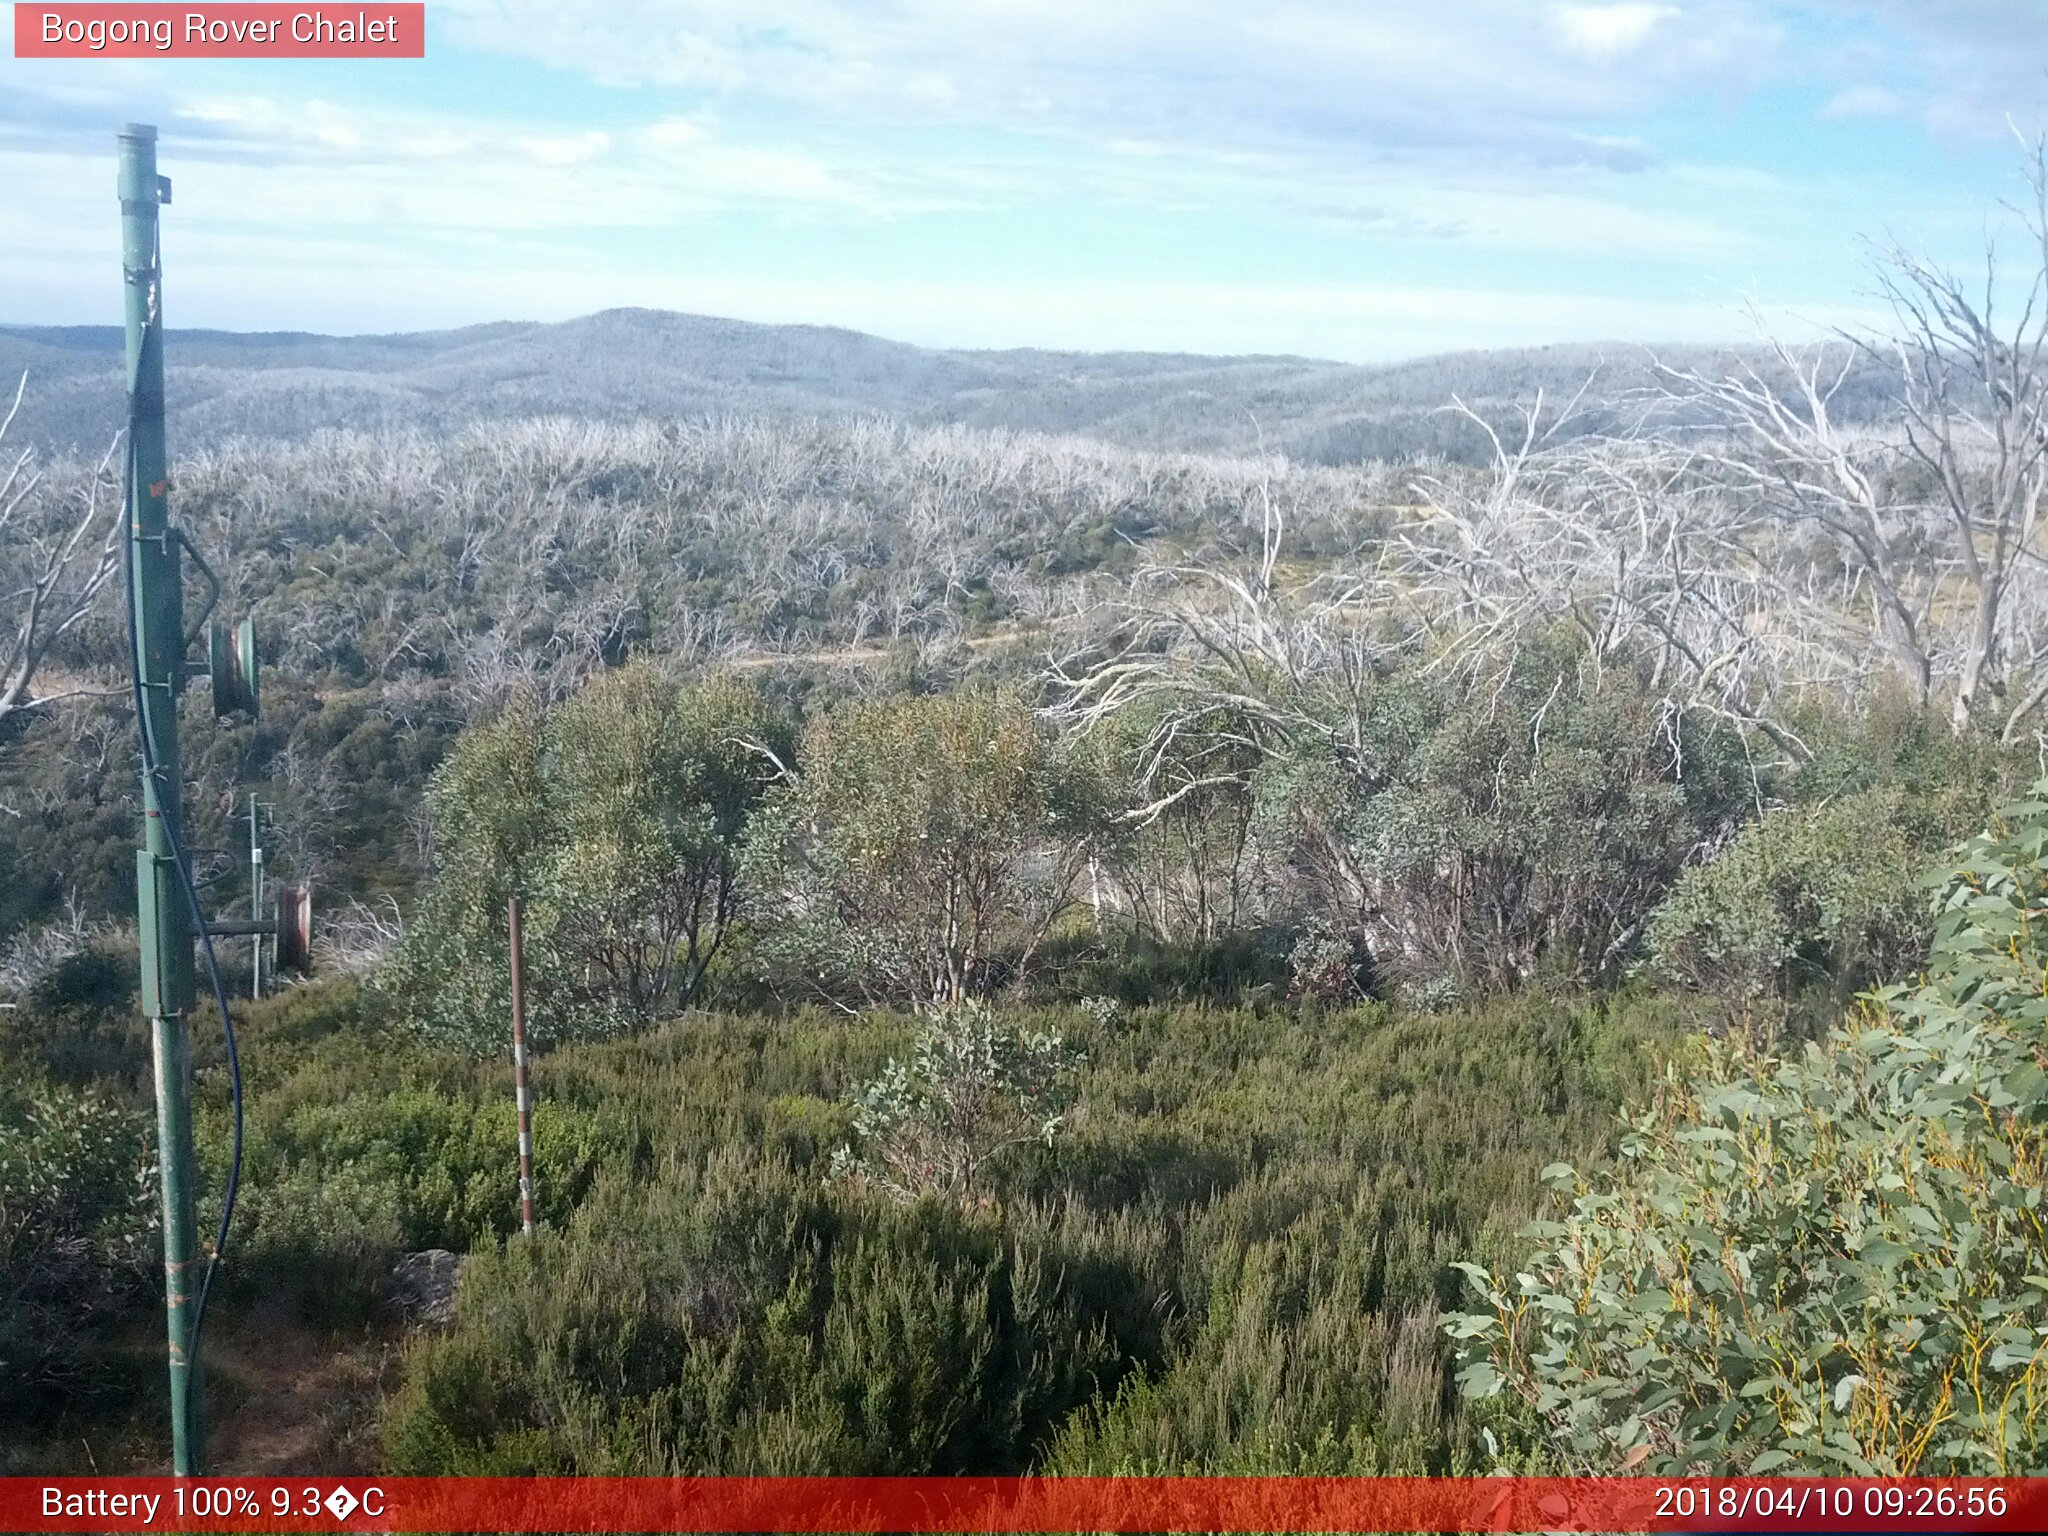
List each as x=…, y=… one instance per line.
x=628, y=363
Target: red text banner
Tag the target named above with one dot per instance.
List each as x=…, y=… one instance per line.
x=220, y=31
x=969, y=1504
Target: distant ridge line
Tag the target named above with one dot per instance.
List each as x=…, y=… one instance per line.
x=621, y=364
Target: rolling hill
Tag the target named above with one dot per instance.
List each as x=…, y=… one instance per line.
x=626, y=363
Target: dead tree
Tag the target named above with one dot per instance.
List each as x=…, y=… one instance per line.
x=1975, y=401
x=1649, y=558
x=1932, y=514
x=59, y=545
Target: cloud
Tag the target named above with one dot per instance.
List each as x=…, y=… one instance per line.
x=413, y=167
x=1968, y=71
x=1538, y=222
x=1487, y=83
x=1606, y=32
x=1862, y=101
x=566, y=149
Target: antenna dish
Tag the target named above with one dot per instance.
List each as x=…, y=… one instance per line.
x=231, y=659
x=295, y=929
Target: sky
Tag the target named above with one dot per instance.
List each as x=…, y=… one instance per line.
x=1353, y=179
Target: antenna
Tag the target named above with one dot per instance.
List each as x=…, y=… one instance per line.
x=168, y=913
x=255, y=893
x=257, y=941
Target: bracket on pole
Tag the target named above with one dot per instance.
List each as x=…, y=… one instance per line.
x=291, y=924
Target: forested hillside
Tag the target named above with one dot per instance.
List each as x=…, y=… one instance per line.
x=628, y=365
x=1055, y=953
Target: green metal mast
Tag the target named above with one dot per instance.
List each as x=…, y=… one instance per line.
x=157, y=610
x=167, y=902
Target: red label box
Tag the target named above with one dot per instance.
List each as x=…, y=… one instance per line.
x=961, y=1506
x=366, y=29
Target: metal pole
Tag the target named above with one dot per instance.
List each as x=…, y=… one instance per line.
x=156, y=587
x=255, y=899
x=519, y=1072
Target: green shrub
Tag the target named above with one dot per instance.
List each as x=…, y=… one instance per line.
x=1128, y=967
x=356, y=1181
x=921, y=853
x=77, y=1196
x=616, y=817
x=1322, y=966
x=1247, y=1187
x=1222, y=1259
x=1477, y=839
x=973, y=1091
x=80, y=1023
x=364, y=1143
x=1830, y=1261
x=1890, y=742
x=1290, y=1373
x=1179, y=863
x=742, y=1318
x=1827, y=893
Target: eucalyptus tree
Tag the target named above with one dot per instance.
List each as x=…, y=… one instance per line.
x=616, y=816
x=920, y=851
x=1827, y=1260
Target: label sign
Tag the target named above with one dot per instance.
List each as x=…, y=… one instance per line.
x=231, y=31
x=962, y=1506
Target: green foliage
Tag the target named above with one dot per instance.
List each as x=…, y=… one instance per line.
x=1249, y=1219
x=1117, y=963
x=1834, y=1261
x=1323, y=1176
x=743, y=1319
x=1889, y=742
x=1247, y=1190
x=617, y=819
x=1323, y=965
x=1290, y=1373
x=77, y=1186
x=341, y=767
x=80, y=1022
x=920, y=853
x=1477, y=838
x=356, y=1181
x=490, y=836
x=1808, y=893
x=362, y=1144
x=1183, y=856
x=650, y=788
x=974, y=1089
x=1824, y=890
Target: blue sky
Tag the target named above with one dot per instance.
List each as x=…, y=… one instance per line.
x=1357, y=180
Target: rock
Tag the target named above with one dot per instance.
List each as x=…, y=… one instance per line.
x=421, y=1288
